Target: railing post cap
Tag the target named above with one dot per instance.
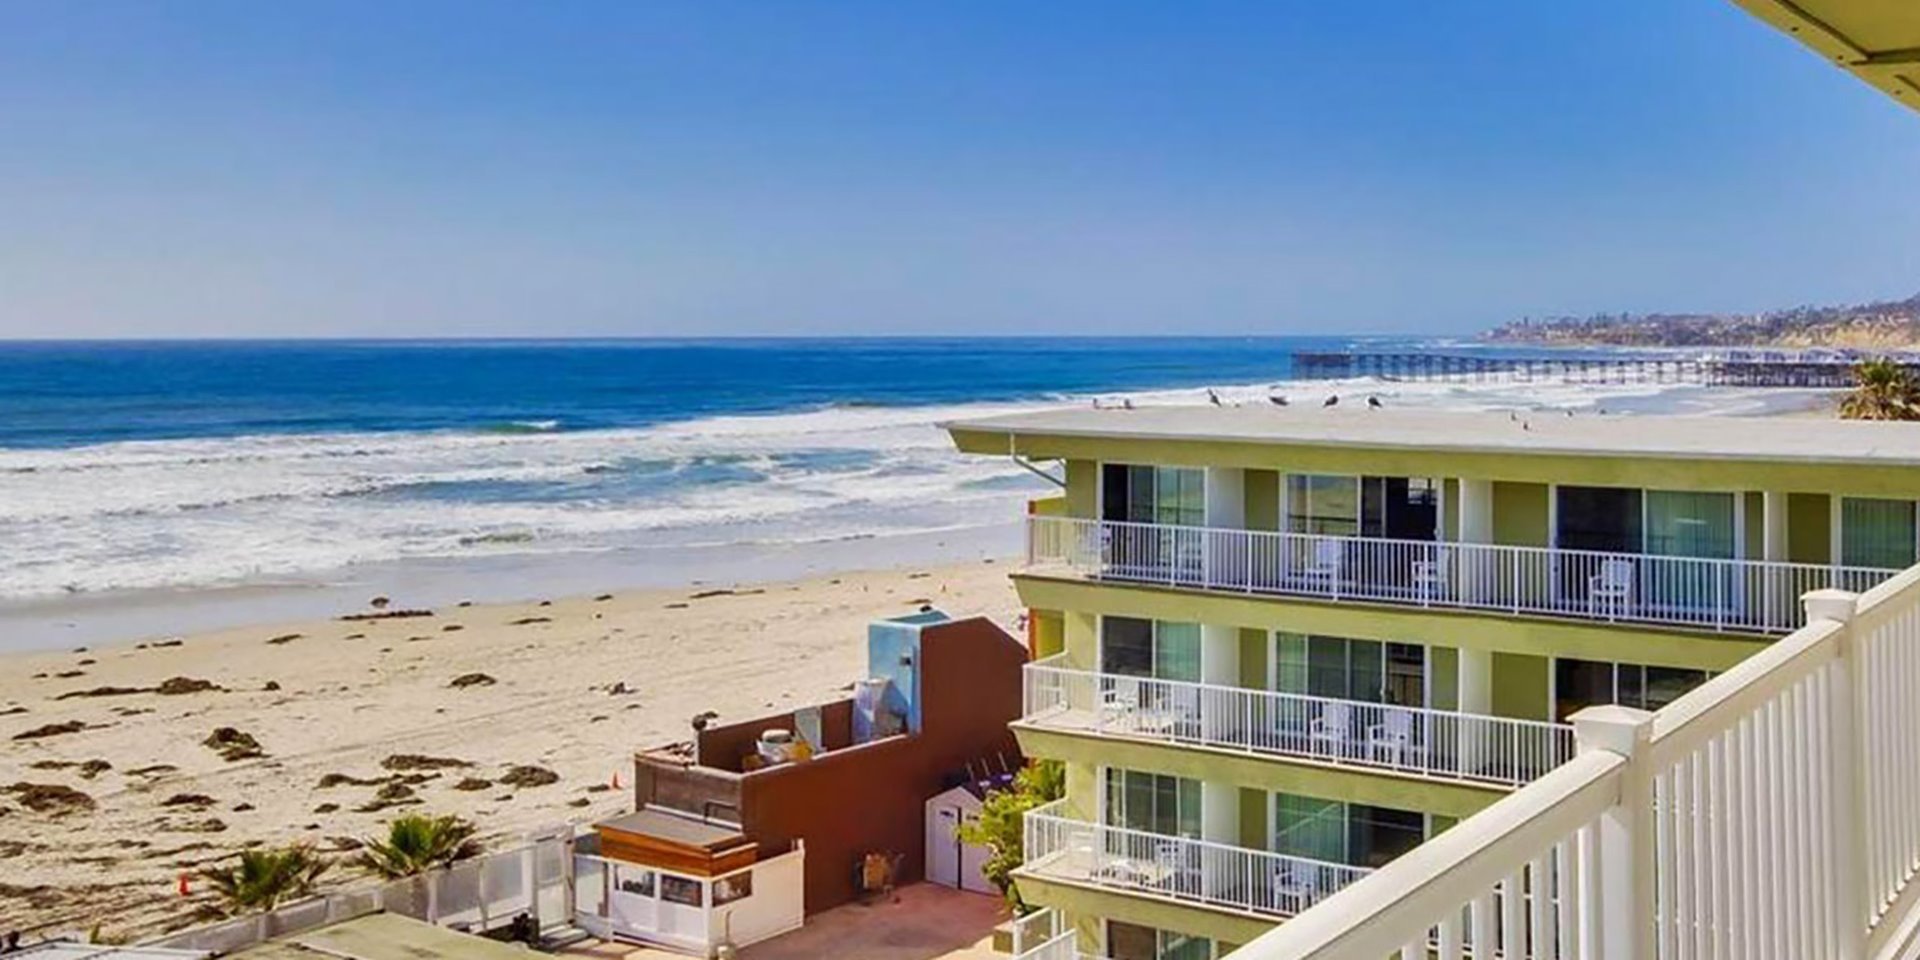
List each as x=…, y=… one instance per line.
x=1621, y=730
x=1830, y=604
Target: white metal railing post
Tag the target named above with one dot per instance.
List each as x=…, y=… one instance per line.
x=1846, y=755
x=1616, y=922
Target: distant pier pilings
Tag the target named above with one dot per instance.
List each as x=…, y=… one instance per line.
x=1706, y=371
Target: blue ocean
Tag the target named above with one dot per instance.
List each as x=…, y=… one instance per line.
x=184, y=465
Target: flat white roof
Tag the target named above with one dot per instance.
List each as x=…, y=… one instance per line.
x=1353, y=424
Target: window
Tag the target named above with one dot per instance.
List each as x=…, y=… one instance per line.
x=1341, y=669
x=1355, y=834
x=738, y=886
x=1129, y=941
x=1585, y=683
x=1876, y=533
x=1153, y=802
x=1599, y=518
x=1323, y=504
x=636, y=882
x=1399, y=508
x=1144, y=494
x=1159, y=649
x=1689, y=524
x=682, y=890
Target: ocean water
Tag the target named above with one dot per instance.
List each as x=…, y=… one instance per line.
x=178, y=466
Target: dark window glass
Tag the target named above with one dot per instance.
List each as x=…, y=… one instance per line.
x=1599, y=518
x=1580, y=683
x=1379, y=834
x=636, y=882
x=739, y=886
x=1126, y=646
x=682, y=891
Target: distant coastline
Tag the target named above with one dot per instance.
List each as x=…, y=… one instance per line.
x=1892, y=325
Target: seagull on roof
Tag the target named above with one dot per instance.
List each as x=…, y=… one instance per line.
x=1373, y=403
x=1212, y=397
x=1278, y=401
x=1332, y=400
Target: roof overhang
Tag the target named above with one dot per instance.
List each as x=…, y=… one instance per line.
x=1875, y=40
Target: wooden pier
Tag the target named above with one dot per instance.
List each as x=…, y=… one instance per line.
x=1830, y=373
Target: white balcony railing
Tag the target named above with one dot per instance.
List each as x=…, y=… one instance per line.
x=1430, y=743
x=1254, y=881
x=1768, y=813
x=1739, y=595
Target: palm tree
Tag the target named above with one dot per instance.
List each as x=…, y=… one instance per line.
x=267, y=877
x=1882, y=390
x=416, y=843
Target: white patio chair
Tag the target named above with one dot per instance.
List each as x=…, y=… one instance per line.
x=1173, y=872
x=1119, y=701
x=1610, y=590
x=1394, y=737
x=1329, y=555
x=1334, y=727
x=1295, y=886
x=1430, y=577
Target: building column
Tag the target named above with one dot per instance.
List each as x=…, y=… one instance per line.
x=1475, y=685
x=1219, y=823
x=1476, y=510
x=1475, y=696
x=1777, y=590
x=1219, y=666
x=1228, y=557
x=1773, y=525
x=1474, y=570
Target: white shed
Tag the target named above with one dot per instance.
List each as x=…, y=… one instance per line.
x=951, y=863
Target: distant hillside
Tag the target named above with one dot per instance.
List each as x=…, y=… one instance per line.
x=1893, y=325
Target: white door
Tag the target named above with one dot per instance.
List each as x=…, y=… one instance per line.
x=943, y=845
x=973, y=863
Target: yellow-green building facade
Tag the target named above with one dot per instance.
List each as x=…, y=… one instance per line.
x=1278, y=646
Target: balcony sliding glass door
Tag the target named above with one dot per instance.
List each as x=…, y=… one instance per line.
x=1349, y=833
x=1169, y=496
x=1150, y=650
x=1877, y=533
x=1153, y=803
x=1341, y=669
x=1686, y=525
x=1128, y=941
x=1578, y=684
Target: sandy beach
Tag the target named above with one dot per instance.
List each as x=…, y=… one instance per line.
x=569, y=686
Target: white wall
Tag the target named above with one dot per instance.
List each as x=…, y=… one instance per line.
x=777, y=906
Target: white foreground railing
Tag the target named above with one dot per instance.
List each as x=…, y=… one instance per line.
x=1773, y=812
x=1063, y=848
x=1431, y=743
x=1739, y=595
x=1065, y=946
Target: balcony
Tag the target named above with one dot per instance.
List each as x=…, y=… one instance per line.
x=1199, y=872
x=1404, y=740
x=1746, y=596
x=1766, y=813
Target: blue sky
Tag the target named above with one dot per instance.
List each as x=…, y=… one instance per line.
x=708, y=168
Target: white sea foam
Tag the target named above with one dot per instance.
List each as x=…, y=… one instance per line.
x=185, y=513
